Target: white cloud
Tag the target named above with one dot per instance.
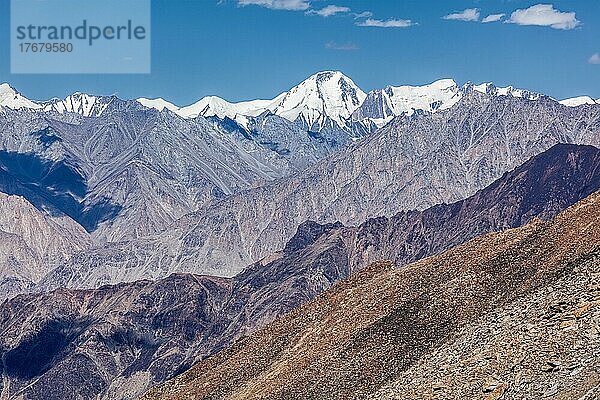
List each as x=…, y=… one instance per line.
x=594, y=59
x=329, y=11
x=293, y=5
x=390, y=23
x=346, y=46
x=493, y=18
x=364, y=14
x=470, y=14
x=544, y=15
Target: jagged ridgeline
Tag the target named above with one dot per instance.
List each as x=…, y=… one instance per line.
x=506, y=315
x=216, y=186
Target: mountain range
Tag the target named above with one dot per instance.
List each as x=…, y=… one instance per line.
x=130, y=336
x=326, y=243
x=413, y=162
x=159, y=192
x=506, y=315
x=327, y=98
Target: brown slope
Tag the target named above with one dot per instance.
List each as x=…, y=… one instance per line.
x=370, y=329
x=546, y=344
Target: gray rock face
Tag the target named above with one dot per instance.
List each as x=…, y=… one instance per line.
x=540, y=188
x=131, y=171
x=106, y=343
x=412, y=163
x=32, y=242
x=18, y=266
x=288, y=140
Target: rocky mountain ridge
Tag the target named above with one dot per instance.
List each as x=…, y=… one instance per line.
x=412, y=163
x=32, y=243
x=325, y=99
x=130, y=336
x=387, y=332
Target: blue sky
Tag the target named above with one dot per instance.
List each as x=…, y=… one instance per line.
x=238, y=50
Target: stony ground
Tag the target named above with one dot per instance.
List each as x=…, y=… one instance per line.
x=545, y=344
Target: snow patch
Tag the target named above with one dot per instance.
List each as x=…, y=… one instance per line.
x=158, y=104
x=578, y=101
x=10, y=98
x=215, y=106
x=493, y=90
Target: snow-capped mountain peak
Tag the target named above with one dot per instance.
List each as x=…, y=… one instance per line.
x=158, y=103
x=215, y=106
x=439, y=95
x=382, y=105
x=493, y=90
x=10, y=98
x=80, y=103
x=328, y=94
x=210, y=106
x=578, y=101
